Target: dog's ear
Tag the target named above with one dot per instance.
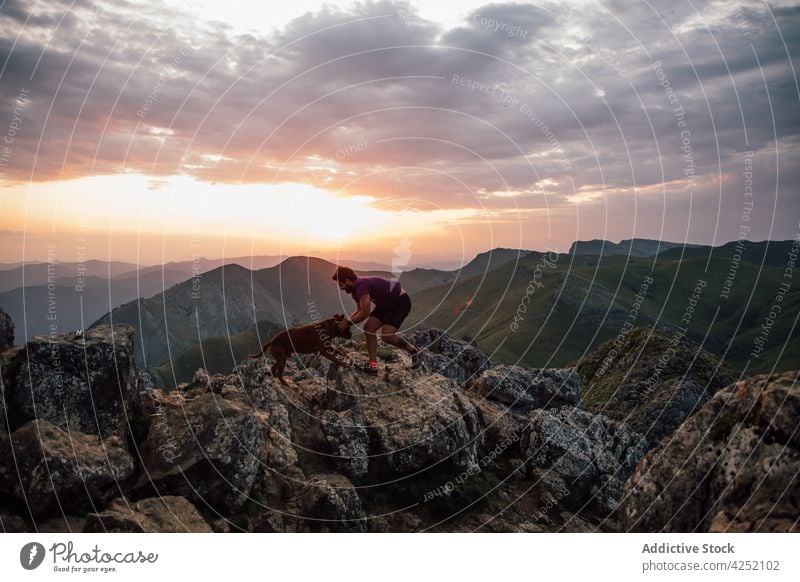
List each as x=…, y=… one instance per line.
x=338, y=316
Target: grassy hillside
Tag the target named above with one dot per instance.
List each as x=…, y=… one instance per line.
x=218, y=355
x=580, y=301
x=228, y=300
x=417, y=280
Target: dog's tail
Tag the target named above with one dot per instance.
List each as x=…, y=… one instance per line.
x=261, y=353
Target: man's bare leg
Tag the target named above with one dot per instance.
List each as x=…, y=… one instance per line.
x=371, y=326
x=390, y=336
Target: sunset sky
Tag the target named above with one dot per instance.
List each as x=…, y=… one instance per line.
x=150, y=131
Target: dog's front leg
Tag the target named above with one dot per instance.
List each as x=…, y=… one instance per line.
x=336, y=357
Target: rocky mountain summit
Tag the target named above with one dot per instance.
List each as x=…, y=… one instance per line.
x=461, y=444
x=6, y=331
x=650, y=378
x=732, y=466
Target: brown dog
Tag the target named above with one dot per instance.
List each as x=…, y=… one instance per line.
x=305, y=339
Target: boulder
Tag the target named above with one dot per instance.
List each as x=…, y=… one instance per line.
x=592, y=454
x=651, y=379
x=330, y=503
x=733, y=466
x=12, y=524
x=394, y=424
x=52, y=471
x=165, y=514
x=460, y=361
x=62, y=524
x=348, y=441
x=526, y=389
x=214, y=449
x=6, y=331
x=82, y=383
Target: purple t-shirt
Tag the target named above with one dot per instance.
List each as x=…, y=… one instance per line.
x=382, y=292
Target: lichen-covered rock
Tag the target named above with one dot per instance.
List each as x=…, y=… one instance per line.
x=12, y=524
x=61, y=524
x=500, y=426
x=165, y=514
x=651, y=379
x=592, y=455
x=347, y=437
x=410, y=425
x=52, y=470
x=209, y=449
x=201, y=377
x=455, y=359
x=526, y=389
x=474, y=447
x=86, y=384
x=6, y=331
x=236, y=444
x=732, y=466
x=330, y=503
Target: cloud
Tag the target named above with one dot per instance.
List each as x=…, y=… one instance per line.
x=375, y=100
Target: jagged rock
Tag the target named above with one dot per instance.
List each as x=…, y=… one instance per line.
x=201, y=377
x=166, y=514
x=7, y=372
x=237, y=449
x=592, y=455
x=499, y=424
x=732, y=466
x=410, y=425
x=220, y=525
x=203, y=382
x=404, y=522
x=456, y=359
x=6, y=331
x=330, y=503
x=12, y=524
x=86, y=384
x=52, y=470
x=210, y=449
x=526, y=389
x=651, y=379
x=348, y=440
x=62, y=524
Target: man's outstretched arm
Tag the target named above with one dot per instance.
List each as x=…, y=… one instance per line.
x=362, y=312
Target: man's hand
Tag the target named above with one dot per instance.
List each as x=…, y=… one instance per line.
x=360, y=314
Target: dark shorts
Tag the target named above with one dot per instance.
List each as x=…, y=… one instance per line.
x=395, y=313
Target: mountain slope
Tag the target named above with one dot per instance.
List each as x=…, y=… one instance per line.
x=78, y=306
x=580, y=301
x=415, y=280
x=217, y=355
x=226, y=301
x=44, y=273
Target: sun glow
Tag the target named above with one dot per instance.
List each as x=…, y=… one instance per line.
x=287, y=215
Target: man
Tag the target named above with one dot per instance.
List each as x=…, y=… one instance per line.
x=392, y=305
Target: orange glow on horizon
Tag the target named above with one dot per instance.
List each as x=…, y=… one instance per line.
x=289, y=218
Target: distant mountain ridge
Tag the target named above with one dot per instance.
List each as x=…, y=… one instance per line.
x=635, y=247
x=228, y=300
x=576, y=302
x=584, y=300
x=419, y=279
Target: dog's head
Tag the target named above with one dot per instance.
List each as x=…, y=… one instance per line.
x=346, y=333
